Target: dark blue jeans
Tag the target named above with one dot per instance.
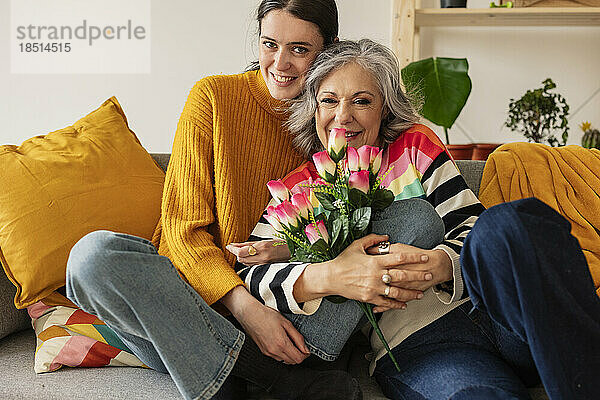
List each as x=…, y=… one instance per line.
x=536, y=311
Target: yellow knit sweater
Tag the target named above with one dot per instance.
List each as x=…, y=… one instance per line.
x=229, y=143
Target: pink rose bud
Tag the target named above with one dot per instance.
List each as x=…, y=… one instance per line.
x=374, y=152
x=364, y=157
x=302, y=204
x=323, y=230
x=325, y=165
x=311, y=233
x=376, y=161
x=272, y=219
x=353, y=163
x=291, y=213
x=314, y=233
x=281, y=215
x=278, y=190
x=336, y=144
x=359, y=180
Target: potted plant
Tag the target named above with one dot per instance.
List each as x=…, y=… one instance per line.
x=539, y=115
x=444, y=86
x=453, y=3
x=591, y=137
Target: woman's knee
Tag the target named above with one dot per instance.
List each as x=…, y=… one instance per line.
x=105, y=254
x=429, y=229
x=497, y=233
x=515, y=219
x=411, y=221
x=95, y=256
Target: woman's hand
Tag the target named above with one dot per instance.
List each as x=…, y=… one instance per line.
x=267, y=251
x=272, y=332
x=436, y=267
x=357, y=275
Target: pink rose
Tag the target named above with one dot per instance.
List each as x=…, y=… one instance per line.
x=278, y=190
x=359, y=180
x=314, y=233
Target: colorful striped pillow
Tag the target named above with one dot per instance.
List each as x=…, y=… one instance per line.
x=69, y=336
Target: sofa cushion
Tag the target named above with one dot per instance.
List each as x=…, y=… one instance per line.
x=56, y=188
x=71, y=337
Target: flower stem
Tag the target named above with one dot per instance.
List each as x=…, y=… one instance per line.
x=368, y=310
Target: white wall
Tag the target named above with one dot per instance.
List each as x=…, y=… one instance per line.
x=195, y=38
x=190, y=39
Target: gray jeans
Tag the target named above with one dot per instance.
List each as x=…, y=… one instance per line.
x=411, y=221
x=139, y=294
x=163, y=320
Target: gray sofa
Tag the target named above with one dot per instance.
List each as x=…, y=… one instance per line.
x=17, y=346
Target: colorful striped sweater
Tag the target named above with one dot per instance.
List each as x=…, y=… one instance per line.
x=422, y=168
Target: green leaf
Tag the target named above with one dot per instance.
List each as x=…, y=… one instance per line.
x=336, y=157
x=290, y=244
x=382, y=198
x=444, y=84
x=326, y=200
x=336, y=299
x=320, y=246
x=357, y=198
x=301, y=255
x=344, y=192
x=360, y=219
x=336, y=226
x=321, y=216
x=345, y=228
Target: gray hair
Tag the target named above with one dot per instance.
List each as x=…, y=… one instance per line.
x=399, y=109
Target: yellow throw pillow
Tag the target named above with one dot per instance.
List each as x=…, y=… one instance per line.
x=58, y=187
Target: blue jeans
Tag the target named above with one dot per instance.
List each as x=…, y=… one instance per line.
x=535, y=312
x=163, y=320
x=460, y=356
x=410, y=221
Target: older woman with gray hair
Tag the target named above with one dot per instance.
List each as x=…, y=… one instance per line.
x=444, y=347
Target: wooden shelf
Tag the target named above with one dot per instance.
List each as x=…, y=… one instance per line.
x=408, y=18
x=532, y=16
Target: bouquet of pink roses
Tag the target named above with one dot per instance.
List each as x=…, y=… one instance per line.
x=321, y=218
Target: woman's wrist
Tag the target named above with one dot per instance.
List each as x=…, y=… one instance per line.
x=313, y=282
x=445, y=272
x=237, y=300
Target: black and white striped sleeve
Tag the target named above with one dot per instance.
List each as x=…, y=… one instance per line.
x=459, y=208
x=273, y=284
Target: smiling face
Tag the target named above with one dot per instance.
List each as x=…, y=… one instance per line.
x=287, y=48
x=349, y=98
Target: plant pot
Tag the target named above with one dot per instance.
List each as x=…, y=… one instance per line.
x=453, y=3
x=481, y=151
x=461, y=151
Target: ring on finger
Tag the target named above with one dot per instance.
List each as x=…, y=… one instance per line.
x=386, y=278
x=386, y=292
x=383, y=247
x=252, y=250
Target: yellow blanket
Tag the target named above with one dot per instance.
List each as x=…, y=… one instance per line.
x=566, y=178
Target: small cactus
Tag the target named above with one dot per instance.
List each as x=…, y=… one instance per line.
x=591, y=137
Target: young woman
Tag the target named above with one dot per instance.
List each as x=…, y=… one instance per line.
x=446, y=348
x=157, y=296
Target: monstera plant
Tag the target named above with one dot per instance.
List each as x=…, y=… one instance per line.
x=444, y=85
